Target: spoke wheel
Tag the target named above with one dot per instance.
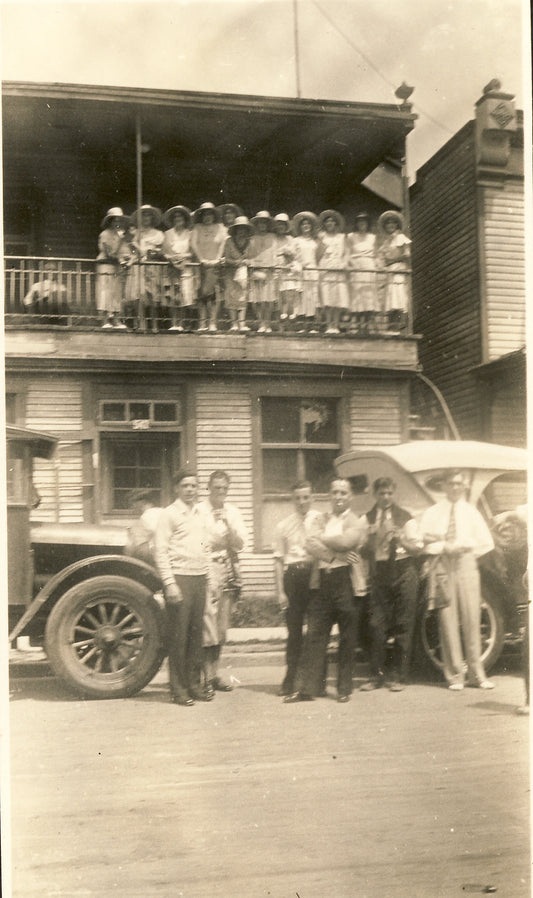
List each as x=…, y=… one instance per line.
x=104, y=637
x=492, y=635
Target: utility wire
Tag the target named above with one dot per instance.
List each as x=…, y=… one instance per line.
x=374, y=68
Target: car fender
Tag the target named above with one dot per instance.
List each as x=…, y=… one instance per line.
x=96, y=565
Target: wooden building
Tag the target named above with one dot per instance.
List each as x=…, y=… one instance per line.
x=469, y=288
x=128, y=408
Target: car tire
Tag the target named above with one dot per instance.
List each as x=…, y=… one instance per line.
x=105, y=637
x=492, y=634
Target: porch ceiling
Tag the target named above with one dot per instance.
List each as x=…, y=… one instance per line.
x=229, y=133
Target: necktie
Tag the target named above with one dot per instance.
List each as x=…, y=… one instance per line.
x=451, y=533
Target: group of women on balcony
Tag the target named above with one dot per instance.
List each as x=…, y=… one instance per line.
x=304, y=275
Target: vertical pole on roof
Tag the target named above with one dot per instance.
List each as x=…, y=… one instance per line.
x=296, y=48
x=138, y=161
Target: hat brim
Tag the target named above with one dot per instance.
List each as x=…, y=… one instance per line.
x=305, y=216
x=155, y=212
x=255, y=220
x=226, y=207
x=390, y=216
x=108, y=218
x=332, y=213
x=198, y=214
x=168, y=217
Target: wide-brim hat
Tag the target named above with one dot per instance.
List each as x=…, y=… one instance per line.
x=304, y=216
x=227, y=207
x=198, y=213
x=364, y=215
x=283, y=218
x=263, y=216
x=114, y=212
x=332, y=213
x=390, y=215
x=168, y=217
x=241, y=222
x=155, y=212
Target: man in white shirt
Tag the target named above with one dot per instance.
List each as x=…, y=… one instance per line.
x=392, y=541
x=181, y=554
x=456, y=531
x=226, y=535
x=293, y=569
x=341, y=532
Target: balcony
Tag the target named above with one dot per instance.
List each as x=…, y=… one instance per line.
x=61, y=293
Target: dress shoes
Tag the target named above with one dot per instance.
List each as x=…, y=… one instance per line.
x=483, y=684
x=343, y=698
x=297, y=697
x=370, y=685
x=186, y=702
x=202, y=695
x=456, y=687
x=221, y=686
x=396, y=686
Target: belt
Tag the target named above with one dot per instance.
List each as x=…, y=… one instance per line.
x=299, y=565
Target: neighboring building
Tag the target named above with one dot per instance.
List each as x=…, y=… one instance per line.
x=128, y=408
x=469, y=288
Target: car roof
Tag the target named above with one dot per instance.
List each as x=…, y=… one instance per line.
x=429, y=455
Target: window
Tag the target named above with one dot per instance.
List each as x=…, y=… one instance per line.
x=299, y=441
x=137, y=460
x=139, y=413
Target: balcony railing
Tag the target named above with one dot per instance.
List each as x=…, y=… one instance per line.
x=157, y=296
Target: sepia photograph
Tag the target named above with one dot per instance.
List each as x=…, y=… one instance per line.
x=265, y=512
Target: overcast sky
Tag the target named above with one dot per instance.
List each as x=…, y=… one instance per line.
x=356, y=50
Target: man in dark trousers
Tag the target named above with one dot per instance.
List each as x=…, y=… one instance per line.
x=338, y=536
x=181, y=554
x=392, y=542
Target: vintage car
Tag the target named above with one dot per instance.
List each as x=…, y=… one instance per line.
x=71, y=586
x=497, y=483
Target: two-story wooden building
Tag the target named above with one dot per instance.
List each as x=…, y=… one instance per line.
x=128, y=408
x=469, y=285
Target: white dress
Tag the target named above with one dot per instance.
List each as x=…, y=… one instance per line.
x=363, y=283
x=177, y=249
x=333, y=287
x=306, y=256
x=146, y=281
x=395, y=282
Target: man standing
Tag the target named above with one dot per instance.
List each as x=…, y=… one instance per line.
x=392, y=542
x=182, y=560
x=455, y=530
x=293, y=568
x=340, y=533
x=226, y=536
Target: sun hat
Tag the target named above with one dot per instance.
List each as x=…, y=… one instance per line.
x=284, y=218
x=263, y=216
x=332, y=213
x=241, y=222
x=390, y=215
x=226, y=207
x=114, y=212
x=198, y=214
x=155, y=212
x=305, y=216
x=362, y=215
x=168, y=217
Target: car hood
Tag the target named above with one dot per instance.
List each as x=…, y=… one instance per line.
x=79, y=534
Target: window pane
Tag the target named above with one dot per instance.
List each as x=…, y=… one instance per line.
x=148, y=455
x=165, y=411
x=121, y=499
x=125, y=478
x=320, y=420
x=139, y=411
x=150, y=478
x=279, y=470
x=319, y=468
x=280, y=420
x=113, y=411
x=124, y=454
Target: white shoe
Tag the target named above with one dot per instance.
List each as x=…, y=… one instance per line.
x=107, y=326
x=212, y=328
x=120, y=326
x=261, y=330
x=177, y=328
x=268, y=330
x=456, y=687
x=234, y=327
x=485, y=684
x=244, y=329
x=202, y=329
x=283, y=316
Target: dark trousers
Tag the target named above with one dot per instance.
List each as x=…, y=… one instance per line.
x=296, y=585
x=333, y=603
x=185, y=621
x=393, y=598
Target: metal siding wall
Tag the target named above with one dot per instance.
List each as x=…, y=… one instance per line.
x=57, y=409
x=446, y=281
x=504, y=233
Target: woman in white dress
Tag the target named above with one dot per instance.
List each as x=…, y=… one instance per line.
x=111, y=260
x=332, y=256
x=182, y=277
x=207, y=244
x=146, y=282
x=263, y=291
x=393, y=251
x=305, y=229
x=361, y=245
x=287, y=277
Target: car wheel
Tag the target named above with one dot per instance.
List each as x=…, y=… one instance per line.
x=492, y=634
x=104, y=637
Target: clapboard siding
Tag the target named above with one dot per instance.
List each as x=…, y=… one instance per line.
x=56, y=408
x=504, y=250
x=376, y=415
x=446, y=276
